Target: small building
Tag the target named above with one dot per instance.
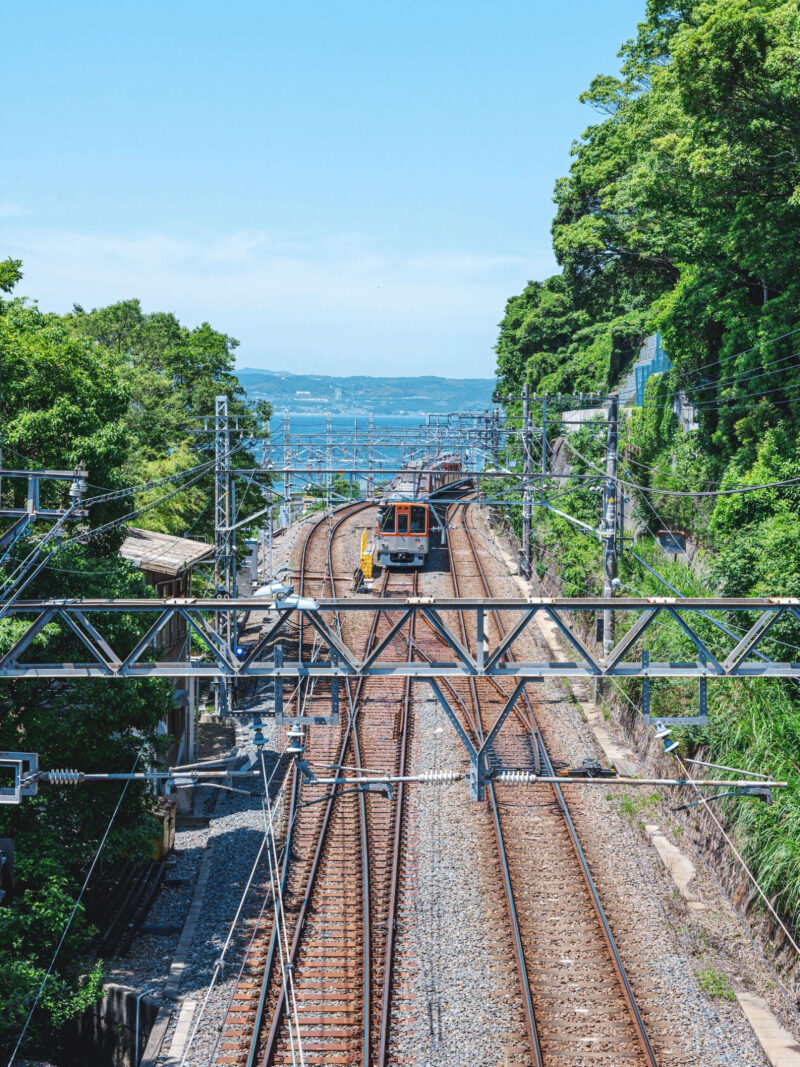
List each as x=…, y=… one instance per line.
x=167, y=564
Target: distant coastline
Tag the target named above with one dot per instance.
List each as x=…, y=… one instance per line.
x=361, y=395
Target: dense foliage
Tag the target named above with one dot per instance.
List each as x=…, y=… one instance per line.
x=681, y=209
x=681, y=213
x=116, y=390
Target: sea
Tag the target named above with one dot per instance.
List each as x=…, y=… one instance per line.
x=396, y=439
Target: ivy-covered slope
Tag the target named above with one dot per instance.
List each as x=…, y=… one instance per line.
x=681, y=213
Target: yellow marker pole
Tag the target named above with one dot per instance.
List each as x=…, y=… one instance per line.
x=366, y=556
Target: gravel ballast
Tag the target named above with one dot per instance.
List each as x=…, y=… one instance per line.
x=457, y=998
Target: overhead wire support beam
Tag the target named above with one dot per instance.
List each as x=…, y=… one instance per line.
x=217, y=655
x=23, y=517
x=28, y=776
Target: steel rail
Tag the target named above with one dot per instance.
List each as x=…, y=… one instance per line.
x=312, y=877
x=362, y=813
x=391, y=920
x=519, y=949
x=293, y=809
x=342, y=513
x=544, y=759
x=286, y=852
x=287, y=846
x=349, y=736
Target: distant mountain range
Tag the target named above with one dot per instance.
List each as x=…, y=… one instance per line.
x=314, y=393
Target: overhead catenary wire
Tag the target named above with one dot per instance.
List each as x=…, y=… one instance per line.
x=731, y=628
x=685, y=492
x=729, y=381
x=750, y=875
x=220, y=962
x=656, y=470
x=737, y=398
x=743, y=352
x=144, y=487
x=740, y=859
x=29, y=569
x=14, y=585
x=789, y=998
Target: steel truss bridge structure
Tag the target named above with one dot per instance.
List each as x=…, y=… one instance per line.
x=85, y=620
x=217, y=657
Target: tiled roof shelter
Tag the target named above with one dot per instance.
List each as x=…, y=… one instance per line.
x=162, y=553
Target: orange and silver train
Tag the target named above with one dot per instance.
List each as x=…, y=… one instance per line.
x=405, y=516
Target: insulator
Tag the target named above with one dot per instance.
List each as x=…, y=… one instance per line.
x=296, y=740
x=440, y=777
x=62, y=776
x=517, y=777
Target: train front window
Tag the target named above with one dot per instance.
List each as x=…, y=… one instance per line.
x=387, y=521
x=418, y=520
x=402, y=521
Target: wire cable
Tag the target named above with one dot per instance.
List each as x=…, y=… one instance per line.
x=220, y=962
x=19, y=575
x=74, y=911
x=287, y=970
x=144, y=487
x=19, y=581
x=734, y=849
x=789, y=998
x=683, y=492
x=744, y=352
x=726, y=382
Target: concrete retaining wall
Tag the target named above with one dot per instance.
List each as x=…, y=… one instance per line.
x=106, y=1035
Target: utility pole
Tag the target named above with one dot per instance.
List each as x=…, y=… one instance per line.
x=610, y=580
x=370, y=461
x=355, y=459
x=526, y=481
x=544, y=445
x=266, y=463
x=328, y=460
x=224, y=537
x=287, y=478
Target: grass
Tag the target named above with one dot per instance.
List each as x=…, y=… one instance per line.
x=715, y=983
x=753, y=724
x=633, y=805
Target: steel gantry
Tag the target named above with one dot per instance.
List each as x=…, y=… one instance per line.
x=23, y=517
x=219, y=658
x=216, y=656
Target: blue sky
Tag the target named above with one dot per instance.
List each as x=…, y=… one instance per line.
x=346, y=187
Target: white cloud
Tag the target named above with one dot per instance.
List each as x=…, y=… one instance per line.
x=327, y=303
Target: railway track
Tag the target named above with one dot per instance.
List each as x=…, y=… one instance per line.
x=238, y=1040
x=343, y=855
x=579, y=1005
x=339, y=874
x=342, y=949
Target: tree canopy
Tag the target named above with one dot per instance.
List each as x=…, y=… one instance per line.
x=680, y=212
x=117, y=390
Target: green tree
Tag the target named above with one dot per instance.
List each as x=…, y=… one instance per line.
x=172, y=375
x=64, y=399
x=10, y=274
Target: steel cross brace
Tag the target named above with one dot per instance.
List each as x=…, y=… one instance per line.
x=83, y=620
x=479, y=767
